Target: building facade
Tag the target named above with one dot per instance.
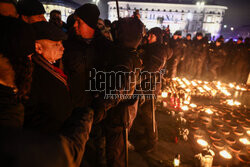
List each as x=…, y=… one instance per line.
x=66, y=7
x=188, y=18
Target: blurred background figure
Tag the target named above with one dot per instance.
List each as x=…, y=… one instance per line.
x=8, y=8
x=31, y=11
x=56, y=19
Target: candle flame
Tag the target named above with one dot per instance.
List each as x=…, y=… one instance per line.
x=225, y=154
x=202, y=142
x=193, y=105
x=164, y=94
x=209, y=111
x=176, y=162
x=244, y=141
x=231, y=85
x=248, y=132
x=185, y=108
x=194, y=83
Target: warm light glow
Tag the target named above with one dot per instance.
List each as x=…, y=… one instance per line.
x=237, y=87
x=193, y=105
x=205, y=82
x=185, y=108
x=244, y=141
x=231, y=85
x=243, y=89
x=164, y=94
x=199, y=82
x=176, y=162
x=248, y=132
x=209, y=111
x=201, y=90
x=237, y=103
x=174, y=79
x=194, y=83
x=202, y=142
x=206, y=88
x=225, y=154
x=186, y=102
x=183, y=86
x=225, y=92
x=188, y=90
x=230, y=102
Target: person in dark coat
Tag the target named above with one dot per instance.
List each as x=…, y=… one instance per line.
x=240, y=62
x=49, y=104
x=31, y=11
x=16, y=44
x=21, y=147
x=217, y=59
x=120, y=117
x=199, y=48
x=154, y=60
x=177, y=45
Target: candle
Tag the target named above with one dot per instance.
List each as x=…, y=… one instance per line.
x=225, y=154
x=202, y=142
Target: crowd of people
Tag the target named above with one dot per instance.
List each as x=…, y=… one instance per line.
x=52, y=114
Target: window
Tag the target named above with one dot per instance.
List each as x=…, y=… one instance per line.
x=170, y=10
x=140, y=8
x=182, y=11
x=152, y=9
x=158, y=9
x=164, y=10
x=176, y=10
x=146, y=9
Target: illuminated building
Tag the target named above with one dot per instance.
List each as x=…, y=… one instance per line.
x=65, y=6
x=188, y=18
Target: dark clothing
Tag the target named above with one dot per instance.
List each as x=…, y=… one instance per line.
x=240, y=63
x=49, y=104
x=187, y=60
x=77, y=60
x=200, y=54
x=173, y=63
x=217, y=58
x=28, y=149
x=11, y=112
x=121, y=116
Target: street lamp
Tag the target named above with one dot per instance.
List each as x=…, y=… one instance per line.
x=232, y=28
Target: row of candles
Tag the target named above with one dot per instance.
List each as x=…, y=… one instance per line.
x=178, y=94
x=204, y=88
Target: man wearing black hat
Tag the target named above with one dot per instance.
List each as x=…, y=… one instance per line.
x=199, y=48
x=177, y=45
x=31, y=11
x=217, y=58
x=49, y=104
x=79, y=50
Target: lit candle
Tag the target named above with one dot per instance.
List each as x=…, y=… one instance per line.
x=225, y=154
x=209, y=111
x=244, y=141
x=164, y=94
x=202, y=142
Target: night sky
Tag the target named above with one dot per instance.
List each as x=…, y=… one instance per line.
x=238, y=12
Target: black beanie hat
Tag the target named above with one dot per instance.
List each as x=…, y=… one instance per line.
x=46, y=30
x=30, y=7
x=89, y=13
x=157, y=32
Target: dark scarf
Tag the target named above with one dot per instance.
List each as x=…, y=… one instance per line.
x=55, y=71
